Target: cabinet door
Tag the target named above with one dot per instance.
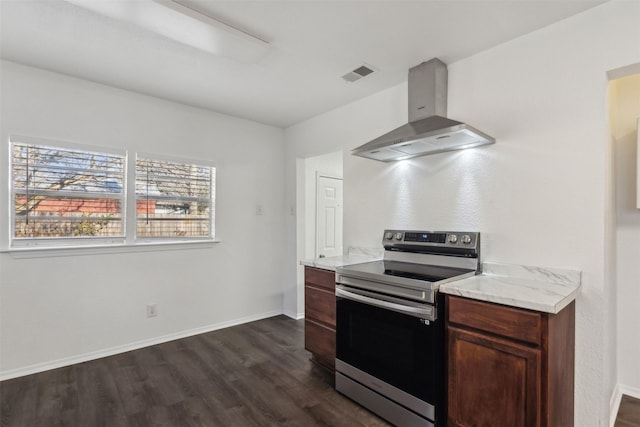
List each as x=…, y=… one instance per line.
x=320, y=305
x=321, y=341
x=492, y=382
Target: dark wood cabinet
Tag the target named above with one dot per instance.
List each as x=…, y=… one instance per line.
x=509, y=366
x=320, y=315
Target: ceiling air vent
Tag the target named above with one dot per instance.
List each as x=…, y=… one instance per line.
x=358, y=73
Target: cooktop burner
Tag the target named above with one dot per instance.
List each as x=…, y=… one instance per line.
x=430, y=273
x=423, y=272
x=419, y=261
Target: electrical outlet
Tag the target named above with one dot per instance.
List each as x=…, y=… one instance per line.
x=152, y=310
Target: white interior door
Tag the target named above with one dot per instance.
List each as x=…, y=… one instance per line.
x=328, y=216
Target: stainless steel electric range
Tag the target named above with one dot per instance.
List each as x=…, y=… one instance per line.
x=390, y=324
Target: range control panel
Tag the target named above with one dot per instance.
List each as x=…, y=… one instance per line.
x=453, y=239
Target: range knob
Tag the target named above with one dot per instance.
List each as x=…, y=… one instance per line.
x=398, y=236
x=466, y=239
x=388, y=235
x=453, y=238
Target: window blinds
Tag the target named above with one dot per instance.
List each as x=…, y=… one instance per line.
x=173, y=199
x=64, y=192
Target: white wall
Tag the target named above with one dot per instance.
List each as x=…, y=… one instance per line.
x=539, y=195
x=57, y=310
x=625, y=94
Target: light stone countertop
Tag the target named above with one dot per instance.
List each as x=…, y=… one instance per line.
x=354, y=256
x=542, y=289
x=535, y=288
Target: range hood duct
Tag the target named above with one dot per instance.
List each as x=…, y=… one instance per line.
x=429, y=131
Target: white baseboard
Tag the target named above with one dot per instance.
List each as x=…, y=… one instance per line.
x=616, y=397
x=614, y=404
x=630, y=391
x=295, y=316
x=72, y=360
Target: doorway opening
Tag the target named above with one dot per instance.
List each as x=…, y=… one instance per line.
x=308, y=172
x=623, y=230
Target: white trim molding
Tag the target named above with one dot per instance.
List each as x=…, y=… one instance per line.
x=294, y=316
x=48, y=252
x=616, y=397
x=638, y=164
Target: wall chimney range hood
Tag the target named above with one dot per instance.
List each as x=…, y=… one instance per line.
x=429, y=131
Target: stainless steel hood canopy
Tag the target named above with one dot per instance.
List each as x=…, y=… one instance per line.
x=429, y=131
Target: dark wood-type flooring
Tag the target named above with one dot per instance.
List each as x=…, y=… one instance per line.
x=255, y=374
x=629, y=412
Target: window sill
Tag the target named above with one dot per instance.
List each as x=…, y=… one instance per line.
x=61, y=251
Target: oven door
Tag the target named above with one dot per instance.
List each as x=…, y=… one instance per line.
x=393, y=353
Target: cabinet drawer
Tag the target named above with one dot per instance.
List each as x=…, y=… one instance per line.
x=321, y=341
x=497, y=319
x=322, y=278
x=320, y=304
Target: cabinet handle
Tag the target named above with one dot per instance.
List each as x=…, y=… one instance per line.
x=425, y=312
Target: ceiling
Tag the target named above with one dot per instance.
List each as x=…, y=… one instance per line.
x=311, y=45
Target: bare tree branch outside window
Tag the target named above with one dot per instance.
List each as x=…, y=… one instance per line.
x=60, y=192
x=174, y=199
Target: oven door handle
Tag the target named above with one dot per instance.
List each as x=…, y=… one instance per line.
x=426, y=312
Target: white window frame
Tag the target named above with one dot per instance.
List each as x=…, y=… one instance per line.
x=212, y=199
x=128, y=242
x=41, y=242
